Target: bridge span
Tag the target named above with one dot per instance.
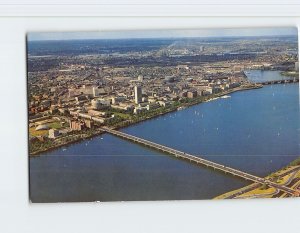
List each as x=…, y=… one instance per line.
x=199, y=160
x=295, y=80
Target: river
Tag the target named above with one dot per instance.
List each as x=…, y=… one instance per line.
x=256, y=131
x=258, y=76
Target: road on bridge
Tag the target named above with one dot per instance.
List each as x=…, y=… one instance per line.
x=199, y=160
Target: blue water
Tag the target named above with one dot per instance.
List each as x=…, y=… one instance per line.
x=257, y=131
x=258, y=76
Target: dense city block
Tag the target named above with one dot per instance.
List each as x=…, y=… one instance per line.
x=76, y=87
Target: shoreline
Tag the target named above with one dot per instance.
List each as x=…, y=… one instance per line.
x=187, y=105
x=290, y=74
x=238, y=193
x=82, y=137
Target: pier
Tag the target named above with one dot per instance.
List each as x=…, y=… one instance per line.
x=198, y=160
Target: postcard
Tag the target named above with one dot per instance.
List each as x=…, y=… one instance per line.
x=152, y=115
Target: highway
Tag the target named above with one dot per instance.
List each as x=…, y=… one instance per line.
x=199, y=160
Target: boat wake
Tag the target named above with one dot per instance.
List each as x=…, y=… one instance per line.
x=225, y=96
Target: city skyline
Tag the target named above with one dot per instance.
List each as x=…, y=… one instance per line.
x=106, y=116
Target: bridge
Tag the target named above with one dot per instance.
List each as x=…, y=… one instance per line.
x=198, y=160
x=295, y=80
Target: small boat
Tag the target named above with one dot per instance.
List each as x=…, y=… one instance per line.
x=180, y=108
x=213, y=99
x=225, y=96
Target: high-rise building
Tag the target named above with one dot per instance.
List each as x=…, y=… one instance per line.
x=95, y=91
x=137, y=94
x=140, y=78
x=297, y=66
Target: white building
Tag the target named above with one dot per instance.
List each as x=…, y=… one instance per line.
x=53, y=133
x=99, y=104
x=95, y=91
x=137, y=94
x=139, y=109
x=140, y=78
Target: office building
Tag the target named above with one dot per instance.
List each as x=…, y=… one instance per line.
x=137, y=94
x=140, y=78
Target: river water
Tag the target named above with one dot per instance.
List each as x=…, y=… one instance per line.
x=257, y=131
x=257, y=76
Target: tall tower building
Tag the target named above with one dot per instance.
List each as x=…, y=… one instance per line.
x=95, y=91
x=137, y=94
x=140, y=78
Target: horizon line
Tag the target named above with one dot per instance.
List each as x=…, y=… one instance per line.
x=162, y=34
x=179, y=37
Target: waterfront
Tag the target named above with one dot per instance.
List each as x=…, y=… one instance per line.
x=256, y=131
x=86, y=135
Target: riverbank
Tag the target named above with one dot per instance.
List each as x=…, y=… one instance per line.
x=79, y=136
x=292, y=74
x=288, y=176
x=190, y=104
x=72, y=140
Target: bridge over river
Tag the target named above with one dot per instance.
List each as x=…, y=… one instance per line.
x=198, y=160
x=280, y=81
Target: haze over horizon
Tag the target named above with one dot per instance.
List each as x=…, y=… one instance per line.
x=180, y=33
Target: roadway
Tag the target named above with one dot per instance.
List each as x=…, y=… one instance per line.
x=199, y=160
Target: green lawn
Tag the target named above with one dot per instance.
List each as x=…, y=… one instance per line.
x=122, y=115
x=55, y=125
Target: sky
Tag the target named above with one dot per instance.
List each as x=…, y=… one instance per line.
x=36, y=36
